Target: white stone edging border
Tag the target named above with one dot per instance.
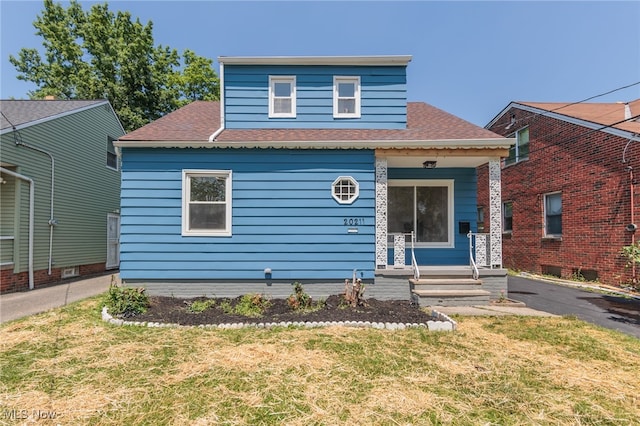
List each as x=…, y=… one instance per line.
x=441, y=322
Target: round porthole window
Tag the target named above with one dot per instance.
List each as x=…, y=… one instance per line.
x=345, y=189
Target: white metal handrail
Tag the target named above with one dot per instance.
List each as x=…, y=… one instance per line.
x=475, y=273
x=414, y=263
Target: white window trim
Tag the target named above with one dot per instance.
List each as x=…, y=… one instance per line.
x=110, y=141
x=357, y=95
x=544, y=217
x=518, y=158
x=273, y=79
x=352, y=199
x=450, y=218
x=186, y=174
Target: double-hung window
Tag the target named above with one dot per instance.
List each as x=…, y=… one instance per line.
x=520, y=151
x=507, y=216
x=282, y=96
x=206, y=202
x=346, y=97
x=112, y=156
x=553, y=214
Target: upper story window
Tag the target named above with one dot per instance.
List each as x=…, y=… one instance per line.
x=520, y=151
x=206, y=202
x=553, y=214
x=282, y=96
x=346, y=97
x=112, y=156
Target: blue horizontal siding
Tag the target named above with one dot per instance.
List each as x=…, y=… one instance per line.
x=465, y=210
x=280, y=199
x=383, y=97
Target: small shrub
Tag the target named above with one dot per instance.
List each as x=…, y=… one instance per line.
x=226, y=307
x=299, y=300
x=199, y=306
x=252, y=305
x=126, y=301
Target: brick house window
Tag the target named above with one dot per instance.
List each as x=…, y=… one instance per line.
x=520, y=151
x=480, y=219
x=507, y=216
x=553, y=214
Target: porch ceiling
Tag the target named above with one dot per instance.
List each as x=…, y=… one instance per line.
x=443, y=158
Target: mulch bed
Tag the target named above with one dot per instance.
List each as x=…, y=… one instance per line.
x=175, y=311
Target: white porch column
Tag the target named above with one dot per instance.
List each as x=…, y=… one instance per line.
x=495, y=214
x=381, y=213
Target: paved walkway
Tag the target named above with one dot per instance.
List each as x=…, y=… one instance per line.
x=25, y=303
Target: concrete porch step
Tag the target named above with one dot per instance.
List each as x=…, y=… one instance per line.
x=439, y=297
x=445, y=282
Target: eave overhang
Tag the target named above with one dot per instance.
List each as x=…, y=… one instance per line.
x=381, y=60
x=457, y=144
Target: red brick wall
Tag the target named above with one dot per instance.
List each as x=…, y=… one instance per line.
x=586, y=166
x=10, y=282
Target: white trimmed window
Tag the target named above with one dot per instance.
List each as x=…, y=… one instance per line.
x=520, y=151
x=282, y=96
x=553, y=215
x=345, y=189
x=112, y=155
x=206, y=202
x=346, y=97
x=424, y=207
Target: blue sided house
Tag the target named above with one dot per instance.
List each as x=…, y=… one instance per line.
x=316, y=170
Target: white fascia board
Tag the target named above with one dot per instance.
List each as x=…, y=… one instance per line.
x=500, y=143
x=56, y=116
x=382, y=60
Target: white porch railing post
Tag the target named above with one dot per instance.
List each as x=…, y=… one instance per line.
x=495, y=214
x=381, y=213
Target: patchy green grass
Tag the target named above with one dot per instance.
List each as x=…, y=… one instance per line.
x=496, y=370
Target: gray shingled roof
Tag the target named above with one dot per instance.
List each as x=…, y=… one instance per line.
x=198, y=120
x=23, y=113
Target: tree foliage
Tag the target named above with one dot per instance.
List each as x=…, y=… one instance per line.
x=99, y=54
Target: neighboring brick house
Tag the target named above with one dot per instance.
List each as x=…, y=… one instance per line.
x=568, y=188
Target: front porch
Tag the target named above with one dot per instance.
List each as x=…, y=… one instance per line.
x=452, y=285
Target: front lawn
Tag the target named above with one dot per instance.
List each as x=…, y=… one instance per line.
x=70, y=365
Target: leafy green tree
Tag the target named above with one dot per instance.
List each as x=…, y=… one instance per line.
x=99, y=54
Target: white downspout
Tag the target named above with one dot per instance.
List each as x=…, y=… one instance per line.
x=215, y=134
x=32, y=193
x=52, y=222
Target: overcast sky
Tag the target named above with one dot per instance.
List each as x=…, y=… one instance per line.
x=469, y=58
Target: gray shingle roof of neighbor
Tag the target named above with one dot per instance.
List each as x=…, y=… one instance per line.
x=197, y=121
x=22, y=113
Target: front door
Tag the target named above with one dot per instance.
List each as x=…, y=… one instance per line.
x=113, y=241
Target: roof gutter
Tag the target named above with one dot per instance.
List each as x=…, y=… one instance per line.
x=490, y=143
x=215, y=134
x=32, y=192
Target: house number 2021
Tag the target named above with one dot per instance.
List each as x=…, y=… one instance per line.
x=353, y=221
